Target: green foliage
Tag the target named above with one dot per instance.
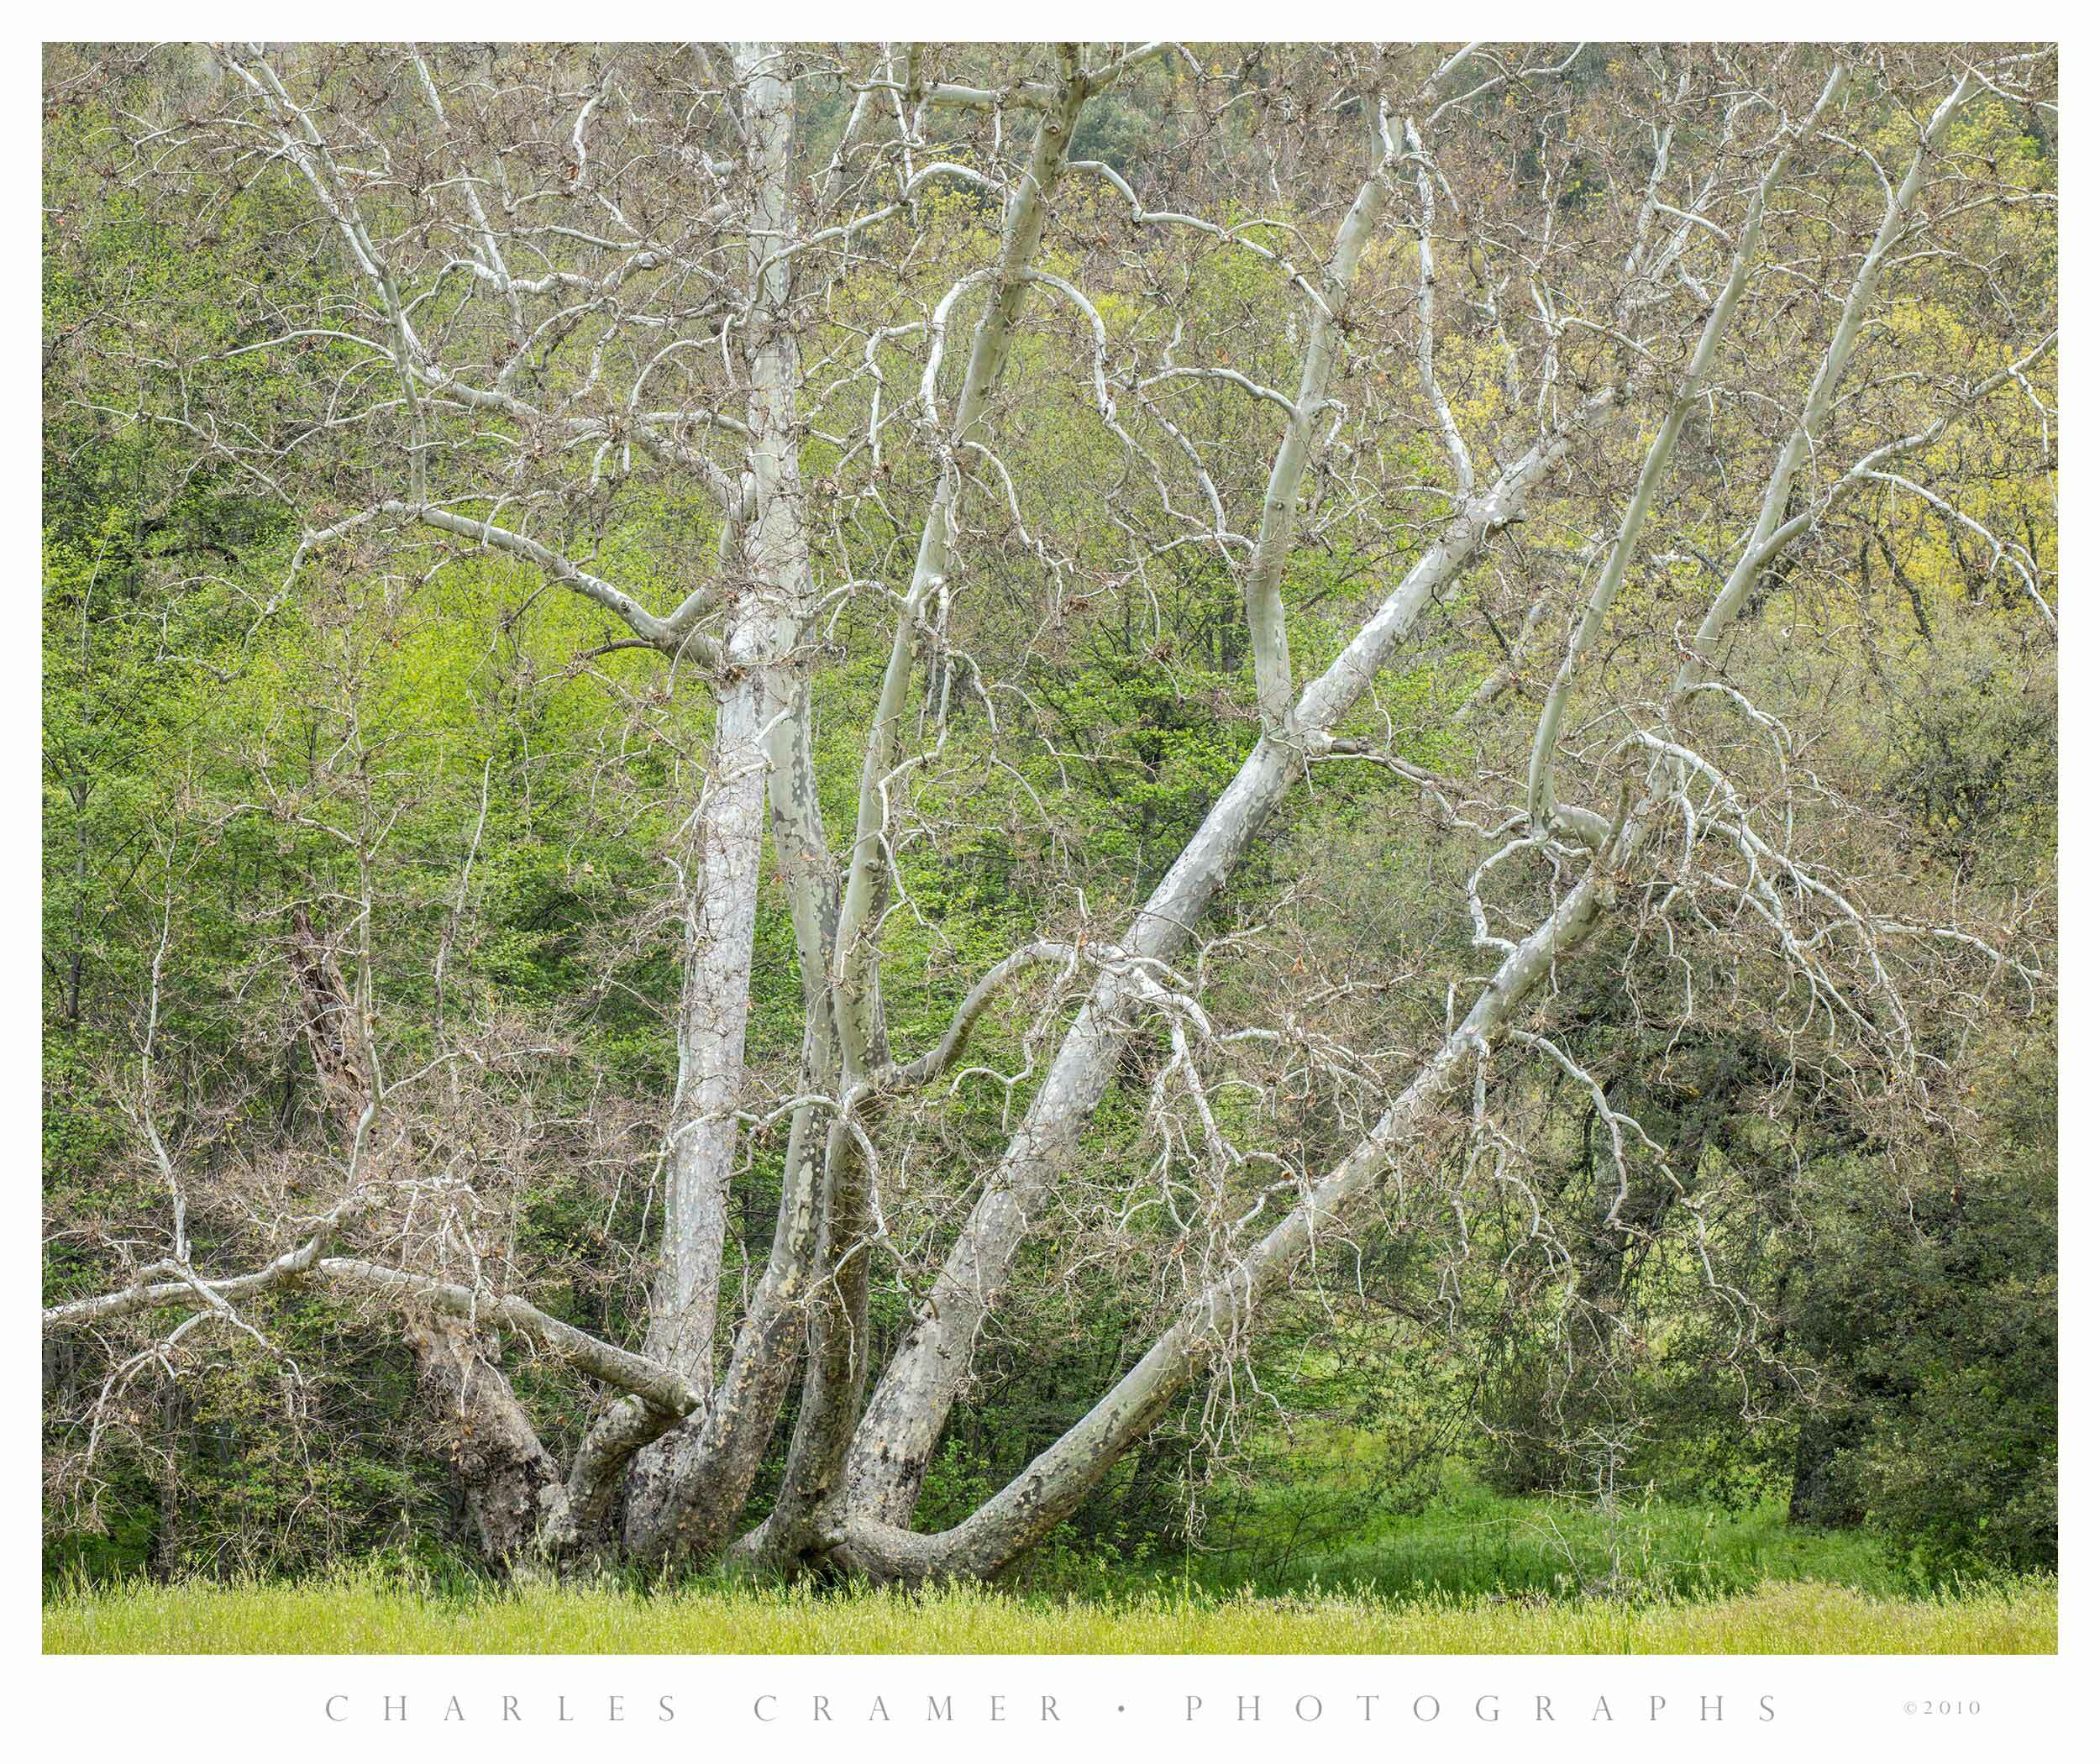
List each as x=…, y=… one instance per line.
x=1933, y=1304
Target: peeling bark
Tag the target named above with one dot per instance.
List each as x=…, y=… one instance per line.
x=508, y=1477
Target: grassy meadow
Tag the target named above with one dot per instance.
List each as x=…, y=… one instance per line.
x=1472, y=1573
x=361, y=1615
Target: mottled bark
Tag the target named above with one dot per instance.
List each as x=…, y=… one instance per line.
x=686, y=1492
x=721, y=862
x=508, y=1477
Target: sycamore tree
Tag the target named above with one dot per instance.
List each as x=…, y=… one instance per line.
x=1522, y=423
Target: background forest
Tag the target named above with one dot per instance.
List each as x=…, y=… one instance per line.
x=216, y=751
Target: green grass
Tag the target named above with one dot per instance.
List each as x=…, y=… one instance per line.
x=1471, y=1542
x=1315, y=1564
x=358, y=1614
